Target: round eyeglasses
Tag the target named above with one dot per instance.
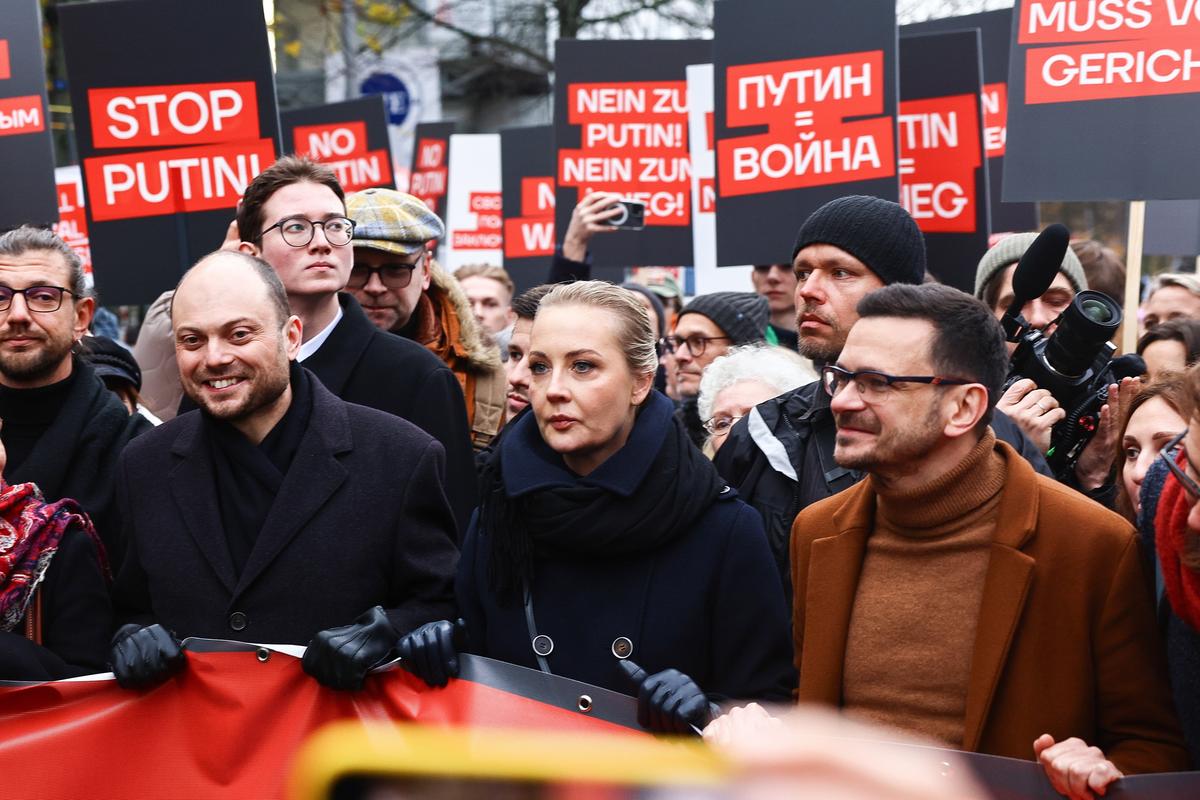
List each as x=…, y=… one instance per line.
x=299, y=231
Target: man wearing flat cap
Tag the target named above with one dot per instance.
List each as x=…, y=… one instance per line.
x=403, y=290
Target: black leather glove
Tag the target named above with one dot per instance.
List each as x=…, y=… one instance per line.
x=341, y=657
x=431, y=651
x=144, y=657
x=669, y=701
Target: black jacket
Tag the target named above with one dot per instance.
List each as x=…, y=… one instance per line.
x=76, y=619
x=77, y=456
x=360, y=520
x=780, y=459
x=708, y=603
x=362, y=364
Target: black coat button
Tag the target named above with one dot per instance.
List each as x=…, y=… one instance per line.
x=622, y=647
x=238, y=621
x=543, y=645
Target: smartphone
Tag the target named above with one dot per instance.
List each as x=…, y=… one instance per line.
x=632, y=215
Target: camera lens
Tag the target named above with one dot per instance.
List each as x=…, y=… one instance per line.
x=1089, y=322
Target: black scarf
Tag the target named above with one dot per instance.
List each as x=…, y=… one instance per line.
x=248, y=477
x=576, y=519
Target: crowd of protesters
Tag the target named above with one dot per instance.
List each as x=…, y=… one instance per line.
x=822, y=488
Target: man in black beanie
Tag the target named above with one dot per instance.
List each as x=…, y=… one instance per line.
x=780, y=456
x=706, y=328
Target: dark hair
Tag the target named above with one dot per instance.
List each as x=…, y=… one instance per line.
x=276, y=294
x=19, y=241
x=1171, y=388
x=1186, y=331
x=1103, y=270
x=284, y=172
x=525, y=305
x=968, y=342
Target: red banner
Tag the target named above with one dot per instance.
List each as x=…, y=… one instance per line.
x=5, y=66
x=227, y=726
x=187, y=114
x=939, y=153
x=532, y=233
x=428, y=181
x=343, y=148
x=21, y=115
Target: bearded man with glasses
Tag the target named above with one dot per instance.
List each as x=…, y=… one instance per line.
x=405, y=292
x=62, y=428
x=956, y=593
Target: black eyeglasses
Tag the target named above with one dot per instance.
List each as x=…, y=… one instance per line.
x=392, y=276
x=1170, y=454
x=696, y=344
x=299, y=231
x=876, y=386
x=42, y=299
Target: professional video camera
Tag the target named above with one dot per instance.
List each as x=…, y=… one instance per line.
x=1075, y=363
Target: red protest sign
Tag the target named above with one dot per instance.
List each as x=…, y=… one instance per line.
x=21, y=115
x=187, y=114
x=5, y=67
x=429, y=179
x=72, y=220
x=343, y=148
x=532, y=233
x=805, y=103
x=939, y=153
x=157, y=182
x=634, y=142
x=1058, y=21
x=488, y=235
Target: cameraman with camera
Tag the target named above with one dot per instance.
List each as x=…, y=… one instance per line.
x=1037, y=409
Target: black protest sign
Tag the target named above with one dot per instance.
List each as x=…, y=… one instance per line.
x=174, y=116
x=995, y=31
x=527, y=187
x=805, y=111
x=1104, y=100
x=1173, y=228
x=943, y=177
x=351, y=138
x=430, y=175
x=621, y=125
x=26, y=149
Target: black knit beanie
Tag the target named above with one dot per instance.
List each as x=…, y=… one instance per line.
x=742, y=315
x=879, y=233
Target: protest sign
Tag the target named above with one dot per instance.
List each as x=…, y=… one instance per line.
x=1103, y=99
x=709, y=278
x=474, y=224
x=350, y=137
x=805, y=112
x=620, y=125
x=1173, y=228
x=169, y=135
x=26, y=149
x=995, y=31
x=430, y=171
x=72, y=217
x=527, y=169
x=943, y=180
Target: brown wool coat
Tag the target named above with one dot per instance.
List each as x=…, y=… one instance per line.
x=1067, y=641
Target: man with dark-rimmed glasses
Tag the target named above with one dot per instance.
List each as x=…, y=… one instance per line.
x=63, y=429
x=956, y=593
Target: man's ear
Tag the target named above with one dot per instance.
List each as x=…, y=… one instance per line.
x=293, y=336
x=969, y=405
x=85, y=310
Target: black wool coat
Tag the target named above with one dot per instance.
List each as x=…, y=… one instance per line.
x=360, y=520
x=709, y=603
x=362, y=364
x=77, y=456
x=76, y=619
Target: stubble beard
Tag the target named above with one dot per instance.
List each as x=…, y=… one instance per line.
x=900, y=448
x=34, y=364
x=266, y=389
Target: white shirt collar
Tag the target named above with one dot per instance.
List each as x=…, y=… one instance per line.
x=314, y=344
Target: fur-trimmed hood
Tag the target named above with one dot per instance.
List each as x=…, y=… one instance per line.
x=479, y=351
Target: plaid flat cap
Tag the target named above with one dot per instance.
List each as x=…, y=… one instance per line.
x=392, y=221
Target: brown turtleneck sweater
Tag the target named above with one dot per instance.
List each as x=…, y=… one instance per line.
x=912, y=631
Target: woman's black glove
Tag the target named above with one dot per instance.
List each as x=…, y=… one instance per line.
x=144, y=657
x=341, y=657
x=669, y=701
x=431, y=651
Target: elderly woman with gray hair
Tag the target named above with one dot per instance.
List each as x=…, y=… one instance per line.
x=741, y=379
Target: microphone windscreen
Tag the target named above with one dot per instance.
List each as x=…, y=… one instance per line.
x=1037, y=268
x=1130, y=365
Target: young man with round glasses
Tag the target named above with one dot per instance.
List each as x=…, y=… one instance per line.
x=957, y=594
x=404, y=291
x=293, y=215
x=63, y=429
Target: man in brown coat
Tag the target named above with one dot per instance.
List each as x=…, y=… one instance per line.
x=957, y=594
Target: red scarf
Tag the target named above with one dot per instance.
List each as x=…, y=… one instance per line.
x=30, y=532
x=1170, y=526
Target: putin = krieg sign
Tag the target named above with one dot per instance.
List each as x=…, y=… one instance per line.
x=1105, y=97
x=805, y=112
x=166, y=151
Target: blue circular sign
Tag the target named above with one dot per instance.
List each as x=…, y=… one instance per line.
x=396, y=96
